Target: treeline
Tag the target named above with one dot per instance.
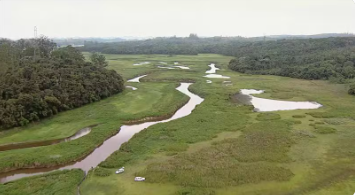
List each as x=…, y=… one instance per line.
x=191, y=45
x=62, y=42
x=38, y=81
x=329, y=58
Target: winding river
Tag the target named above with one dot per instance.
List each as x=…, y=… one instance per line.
x=21, y=145
x=112, y=144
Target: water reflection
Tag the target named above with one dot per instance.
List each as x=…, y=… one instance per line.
x=136, y=79
x=112, y=144
x=265, y=105
x=131, y=87
x=141, y=63
x=213, y=69
x=217, y=76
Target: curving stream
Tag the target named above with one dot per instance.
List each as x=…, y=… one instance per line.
x=212, y=73
x=112, y=144
x=21, y=145
x=136, y=79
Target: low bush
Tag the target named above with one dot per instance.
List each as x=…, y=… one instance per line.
x=102, y=172
x=324, y=129
x=268, y=116
x=299, y=116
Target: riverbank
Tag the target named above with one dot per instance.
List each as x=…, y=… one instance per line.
x=273, y=153
x=59, y=182
x=281, y=151
x=109, y=114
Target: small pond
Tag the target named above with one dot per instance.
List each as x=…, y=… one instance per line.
x=266, y=105
x=141, y=63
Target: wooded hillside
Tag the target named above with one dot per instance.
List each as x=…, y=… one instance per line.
x=329, y=58
x=38, y=81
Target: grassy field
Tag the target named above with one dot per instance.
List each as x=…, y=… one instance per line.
x=57, y=183
x=286, y=152
x=223, y=147
x=151, y=99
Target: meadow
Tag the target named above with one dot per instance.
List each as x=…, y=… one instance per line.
x=59, y=183
x=223, y=147
x=150, y=100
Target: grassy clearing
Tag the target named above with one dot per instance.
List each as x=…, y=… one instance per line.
x=57, y=183
x=151, y=99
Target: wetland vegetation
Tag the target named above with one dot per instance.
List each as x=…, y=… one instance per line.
x=223, y=147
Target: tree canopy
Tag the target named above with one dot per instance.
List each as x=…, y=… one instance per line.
x=38, y=81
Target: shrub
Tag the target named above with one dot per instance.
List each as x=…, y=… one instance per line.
x=299, y=116
x=324, y=130
x=102, y=172
x=268, y=116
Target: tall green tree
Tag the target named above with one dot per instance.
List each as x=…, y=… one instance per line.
x=98, y=59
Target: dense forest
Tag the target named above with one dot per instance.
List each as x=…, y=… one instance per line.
x=191, y=45
x=328, y=59
x=307, y=59
x=37, y=80
x=62, y=42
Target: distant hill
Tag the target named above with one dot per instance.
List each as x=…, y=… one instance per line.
x=77, y=42
x=316, y=36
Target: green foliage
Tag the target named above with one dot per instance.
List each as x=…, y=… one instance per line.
x=299, y=116
x=151, y=100
x=292, y=122
x=330, y=58
x=56, y=183
x=173, y=137
x=195, y=191
x=267, y=116
x=102, y=172
x=230, y=162
x=55, y=81
x=68, y=55
x=324, y=129
x=98, y=60
x=191, y=45
x=193, y=172
x=351, y=90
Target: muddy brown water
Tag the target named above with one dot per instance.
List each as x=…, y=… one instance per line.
x=112, y=144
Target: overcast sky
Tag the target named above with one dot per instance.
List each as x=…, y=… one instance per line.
x=145, y=18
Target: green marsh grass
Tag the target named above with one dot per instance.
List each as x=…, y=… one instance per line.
x=151, y=99
x=224, y=143
x=56, y=183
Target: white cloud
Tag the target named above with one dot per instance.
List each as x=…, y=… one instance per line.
x=114, y=18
